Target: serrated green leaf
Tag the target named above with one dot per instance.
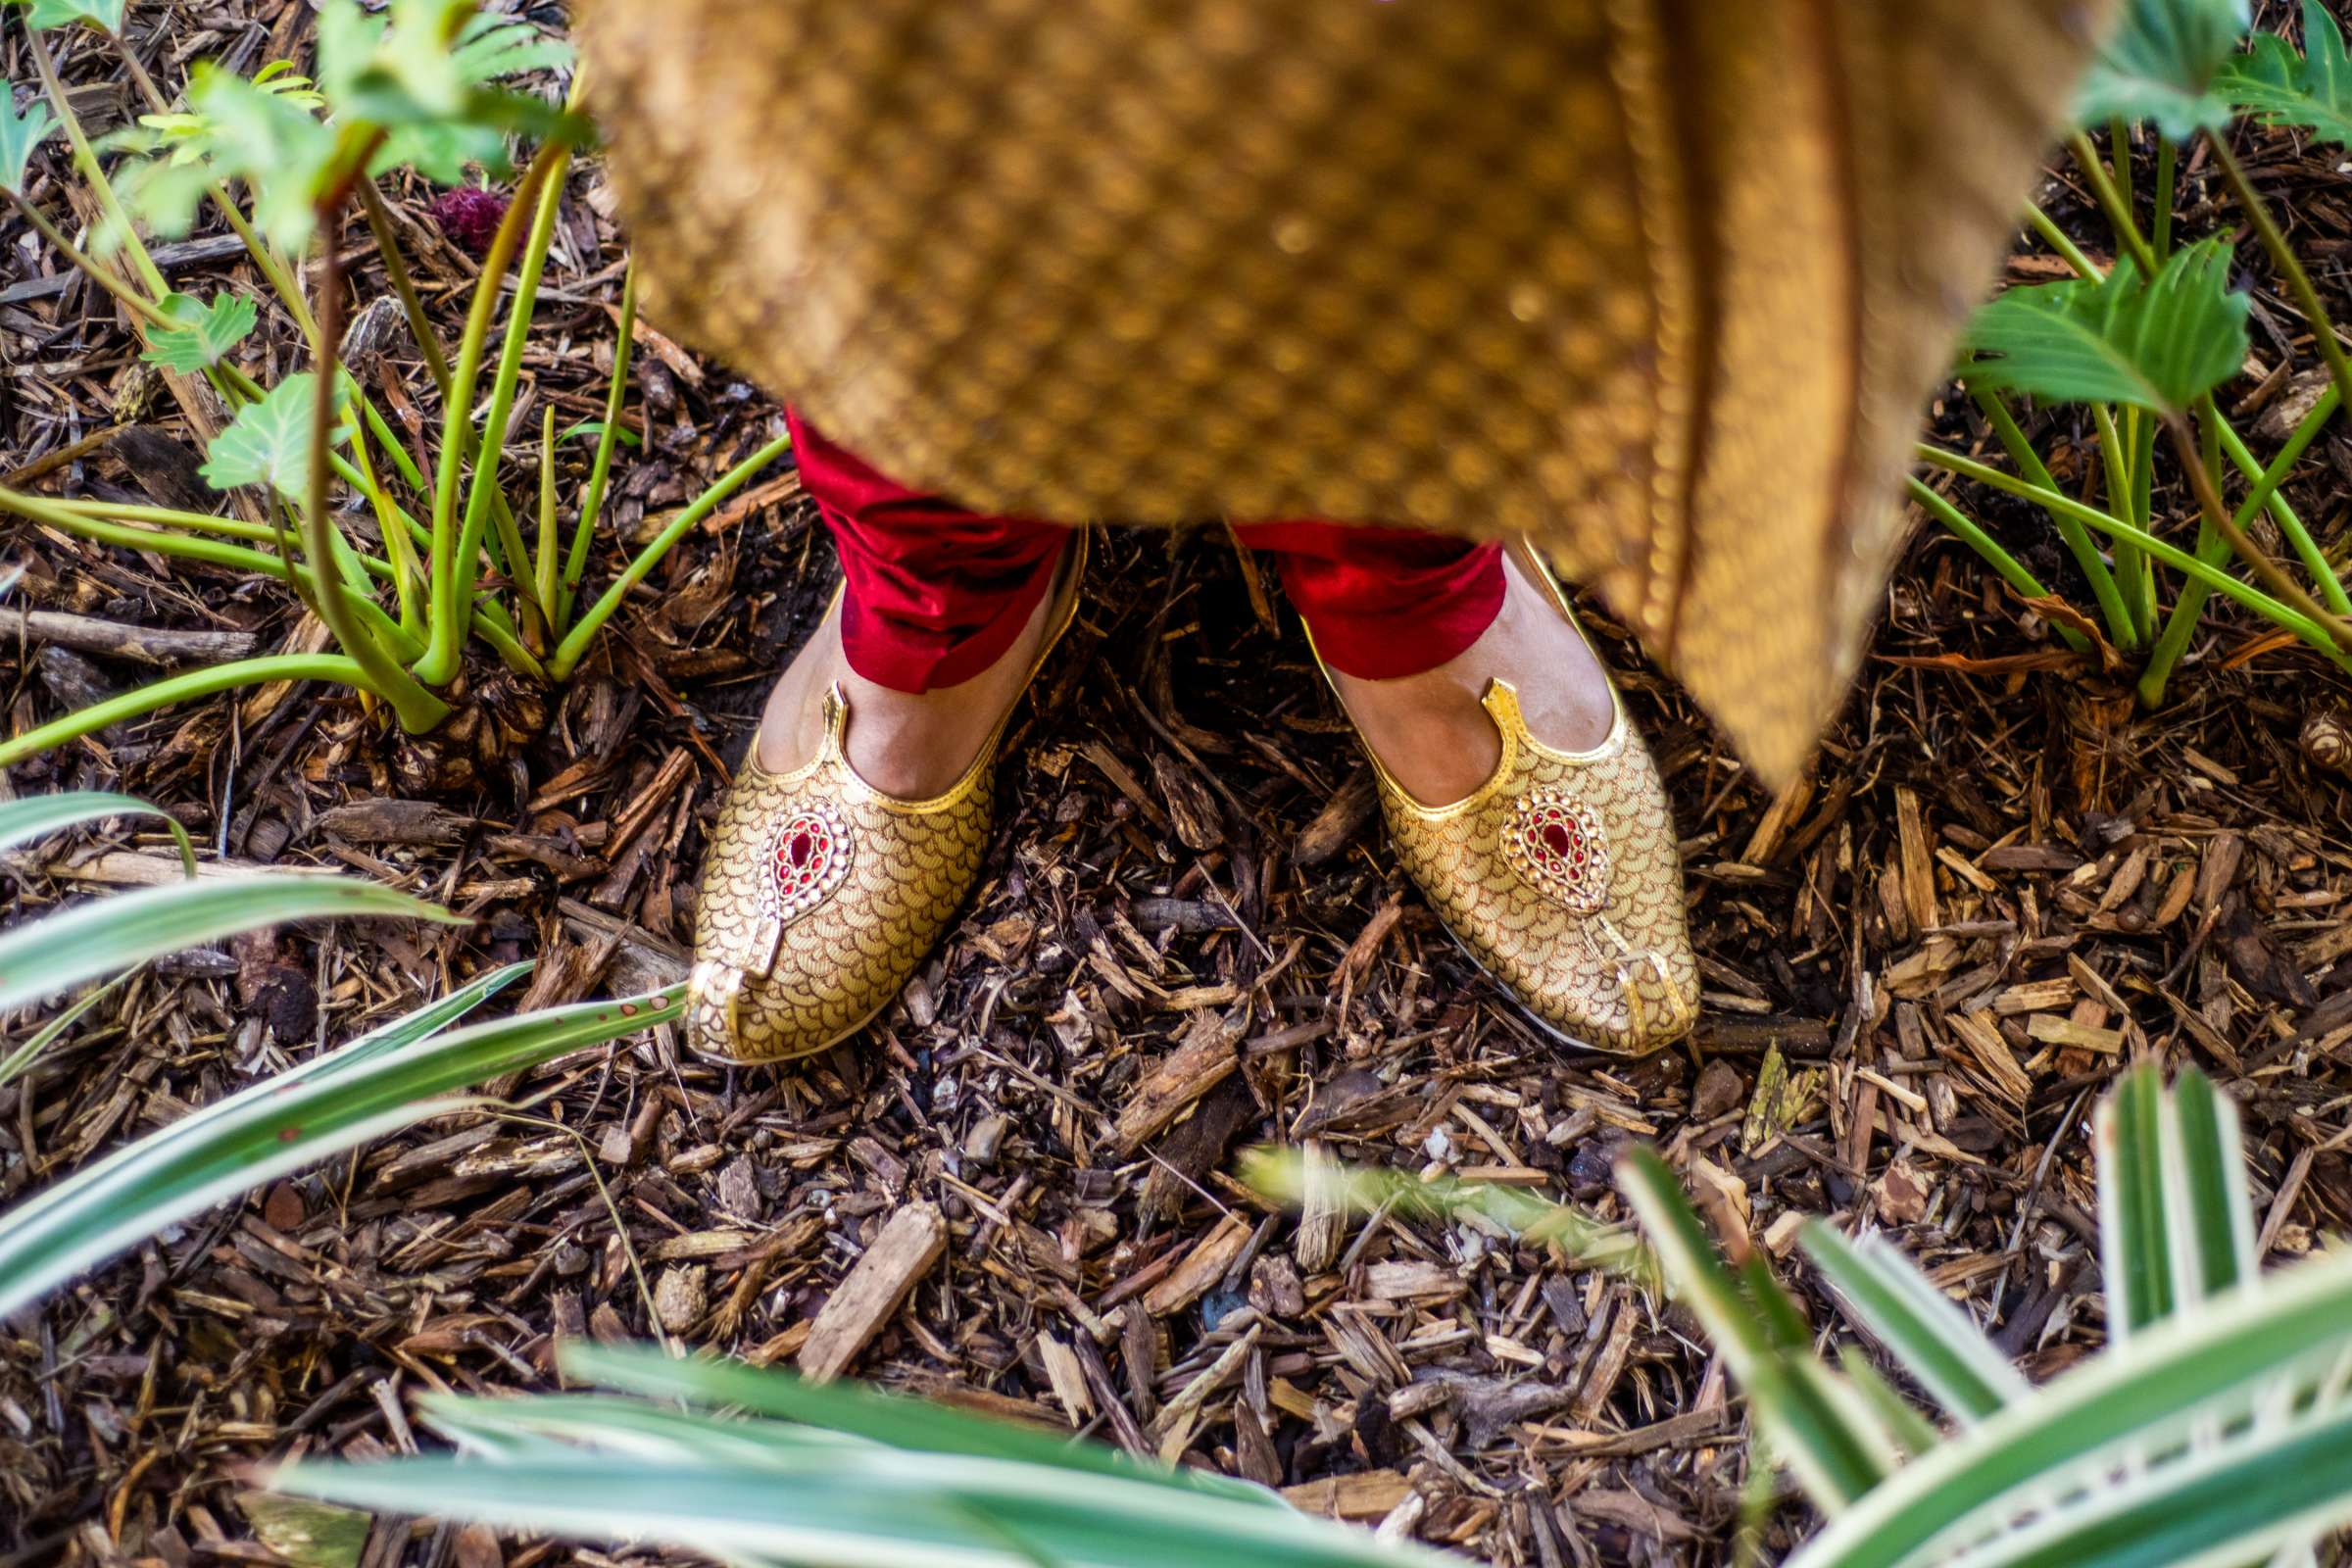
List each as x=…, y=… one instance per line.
x=2281, y=87
x=268, y=442
x=2160, y=66
x=42, y=14
x=235, y=130
x=432, y=90
x=2158, y=346
x=209, y=332
x=20, y=134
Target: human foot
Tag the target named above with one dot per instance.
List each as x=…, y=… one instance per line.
x=913, y=745
x=1432, y=732
x=846, y=844
x=1536, y=825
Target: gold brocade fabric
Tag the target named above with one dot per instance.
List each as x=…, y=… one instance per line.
x=1664, y=283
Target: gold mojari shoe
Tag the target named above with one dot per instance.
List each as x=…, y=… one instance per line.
x=1560, y=875
x=821, y=893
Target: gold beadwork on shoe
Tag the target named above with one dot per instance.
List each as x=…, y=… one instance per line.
x=821, y=895
x=1562, y=877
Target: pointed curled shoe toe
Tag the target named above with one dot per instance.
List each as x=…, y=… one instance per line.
x=1560, y=875
x=822, y=895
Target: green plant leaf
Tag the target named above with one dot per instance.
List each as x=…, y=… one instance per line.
x=825, y=1504
x=1836, y=1450
x=208, y=335
x=2195, y=1371
x=2159, y=347
x=2281, y=87
x=269, y=442
x=42, y=14
x=2204, y=1167
x=889, y=1419
x=233, y=129
x=333, y=1103
x=423, y=71
x=1928, y=1334
x=56, y=953
x=2160, y=66
x=33, y=816
x=2135, y=1239
x=20, y=134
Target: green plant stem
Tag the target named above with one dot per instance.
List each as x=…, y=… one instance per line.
x=2119, y=155
x=2111, y=202
x=2216, y=513
x=550, y=199
x=130, y=299
x=2167, y=185
x=198, y=521
x=407, y=572
x=575, y=642
x=592, y=501
x=396, y=272
x=546, y=563
x=2130, y=564
x=2331, y=586
x=237, y=558
x=2056, y=238
x=2078, y=539
x=2262, y=604
x=389, y=439
x=2265, y=491
x=2290, y=267
x=418, y=708
x=180, y=687
x=2011, y=569
x=87, y=160
x=442, y=656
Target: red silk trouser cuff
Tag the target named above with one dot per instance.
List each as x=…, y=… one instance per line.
x=934, y=594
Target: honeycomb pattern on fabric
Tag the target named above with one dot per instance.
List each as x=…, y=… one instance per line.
x=1662, y=283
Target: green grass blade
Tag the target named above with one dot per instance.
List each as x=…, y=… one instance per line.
x=1932, y=1339
x=1281, y=1175
x=279, y=1125
x=2194, y=1371
x=59, y=951
x=37, y=815
x=2231, y=1505
x=1838, y=1458
x=2136, y=1241
x=892, y=1419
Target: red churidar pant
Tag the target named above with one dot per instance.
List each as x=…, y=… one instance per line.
x=935, y=593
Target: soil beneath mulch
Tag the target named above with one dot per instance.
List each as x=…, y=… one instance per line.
x=2000, y=883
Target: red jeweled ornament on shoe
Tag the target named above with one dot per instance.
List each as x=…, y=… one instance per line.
x=1556, y=843
x=808, y=857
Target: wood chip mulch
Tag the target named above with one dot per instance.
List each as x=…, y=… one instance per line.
x=2000, y=884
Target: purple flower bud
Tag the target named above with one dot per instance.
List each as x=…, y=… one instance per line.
x=470, y=217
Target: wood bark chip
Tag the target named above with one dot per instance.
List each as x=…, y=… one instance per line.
x=1202, y=1267
x=1205, y=1059
x=871, y=1293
